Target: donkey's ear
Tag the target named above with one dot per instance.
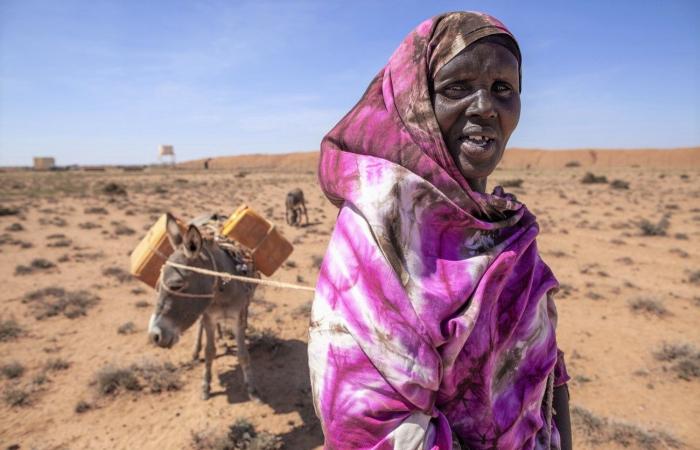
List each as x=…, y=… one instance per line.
x=193, y=241
x=173, y=230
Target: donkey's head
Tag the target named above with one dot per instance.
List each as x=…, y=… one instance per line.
x=183, y=295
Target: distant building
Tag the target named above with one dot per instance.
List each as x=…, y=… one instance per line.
x=166, y=154
x=44, y=163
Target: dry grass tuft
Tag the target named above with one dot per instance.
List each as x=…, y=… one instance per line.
x=619, y=184
x=153, y=376
x=590, y=178
x=9, y=329
x=118, y=273
x=56, y=364
x=112, y=379
x=649, y=306
x=127, y=328
x=515, y=183
x=52, y=301
x=654, y=229
x=16, y=396
x=12, y=370
x=241, y=436
x=599, y=431
x=35, y=265
x=685, y=357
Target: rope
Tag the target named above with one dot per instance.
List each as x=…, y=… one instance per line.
x=550, y=407
x=229, y=276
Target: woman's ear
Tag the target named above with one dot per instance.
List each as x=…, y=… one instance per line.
x=193, y=241
x=173, y=231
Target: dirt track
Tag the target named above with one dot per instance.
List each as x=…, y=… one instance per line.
x=624, y=296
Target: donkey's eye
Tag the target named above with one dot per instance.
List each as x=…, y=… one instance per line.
x=176, y=285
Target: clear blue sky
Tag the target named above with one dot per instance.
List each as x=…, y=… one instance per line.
x=108, y=81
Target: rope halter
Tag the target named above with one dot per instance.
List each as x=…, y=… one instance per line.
x=179, y=293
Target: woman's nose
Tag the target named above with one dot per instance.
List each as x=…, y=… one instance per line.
x=481, y=105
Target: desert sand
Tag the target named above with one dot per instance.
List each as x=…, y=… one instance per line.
x=628, y=261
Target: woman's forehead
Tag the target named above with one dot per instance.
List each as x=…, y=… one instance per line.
x=481, y=57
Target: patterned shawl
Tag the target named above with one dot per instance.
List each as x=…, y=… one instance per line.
x=433, y=315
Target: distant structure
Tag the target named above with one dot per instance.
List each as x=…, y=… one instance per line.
x=166, y=154
x=44, y=163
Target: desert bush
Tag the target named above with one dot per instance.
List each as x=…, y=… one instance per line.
x=95, y=210
x=36, y=264
x=619, y=184
x=127, y=328
x=649, y=306
x=316, y=261
x=654, y=229
x=142, y=304
x=590, y=178
x=82, y=406
x=515, y=183
x=694, y=277
x=16, y=396
x=241, y=436
x=117, y=272
x=598, y=431
x=89, y=225
x=123, y=230
x=57, y=243
x=685, y=357
x=14, y=227
x=681, y=236
x=572, y=164
x=9, y=329
x=113, y=188
x=52, y=301
x=159, y=377
x=56, y=364
x=111, y=379
x=8, y=211
x=12, y=369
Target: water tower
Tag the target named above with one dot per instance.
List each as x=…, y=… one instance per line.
x=166, y=154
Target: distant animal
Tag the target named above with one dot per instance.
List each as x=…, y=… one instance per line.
x=294, y=206
x=184, y=296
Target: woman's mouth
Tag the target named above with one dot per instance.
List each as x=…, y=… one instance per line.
x=477, y=145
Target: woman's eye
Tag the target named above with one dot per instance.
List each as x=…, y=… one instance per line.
x=502, y=88
x=455, y=91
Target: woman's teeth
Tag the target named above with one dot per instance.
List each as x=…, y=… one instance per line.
x=479, y=140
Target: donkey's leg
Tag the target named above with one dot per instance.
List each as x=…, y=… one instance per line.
x=209, y=354
x=243, y=356
x=303, y=204
x=219, y=331
x=198, y=344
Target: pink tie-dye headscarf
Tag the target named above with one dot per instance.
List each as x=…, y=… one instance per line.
x=433, y=315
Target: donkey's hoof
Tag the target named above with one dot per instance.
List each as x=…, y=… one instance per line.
x=205, y=395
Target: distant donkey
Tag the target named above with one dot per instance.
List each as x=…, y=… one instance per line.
x=294, y=206
x=184, y=296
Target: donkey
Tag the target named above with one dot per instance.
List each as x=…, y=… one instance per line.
x=294, y=206
x=184, y=296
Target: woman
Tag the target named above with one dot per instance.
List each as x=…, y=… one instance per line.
x=433, y=322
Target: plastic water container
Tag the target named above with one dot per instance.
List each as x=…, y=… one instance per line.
x=268, y=247
x=152, y=252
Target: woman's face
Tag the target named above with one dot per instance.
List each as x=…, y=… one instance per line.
x=477, y=105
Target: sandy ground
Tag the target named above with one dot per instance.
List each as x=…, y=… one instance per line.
x=629, y=307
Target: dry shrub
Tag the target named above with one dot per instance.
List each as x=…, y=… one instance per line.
x=56, y=364
x=16, y=396
x=89, y=225
x=619, y=184
x=649, y=306
x=127, y=328
x=316, y=261
x=52, y=301
x=113, y=188
x=685, y=357
x=590, y=178
x=241, y=436
x=599, y=431
x=123, y=230
x=82, y=406
x=118, y=273
x=36, y=264
x=8, y=211
x=153, y=376
x=142, y=304
x=9, y=329
x=654, y=229
x=694, y=277
x=96, y=210
x=112, y=379
x=14, y=227
x=572, y=164
x=12, y=369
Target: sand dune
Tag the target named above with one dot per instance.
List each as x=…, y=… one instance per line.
x=515, y=158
